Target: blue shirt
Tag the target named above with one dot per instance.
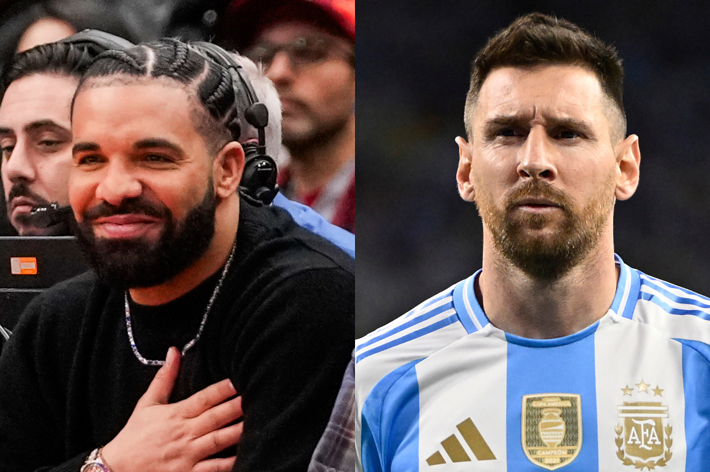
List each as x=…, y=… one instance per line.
x=441, y=388
x=305, y=217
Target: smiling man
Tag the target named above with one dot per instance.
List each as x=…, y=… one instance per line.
x=239, y=296
x=556, y=354
x=35, y=133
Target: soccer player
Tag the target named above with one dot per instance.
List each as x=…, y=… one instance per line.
x=556, y=354
x=253, y=302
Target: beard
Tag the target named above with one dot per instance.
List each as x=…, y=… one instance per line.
x=137, y=262
x=518, y=236
x=311, y=131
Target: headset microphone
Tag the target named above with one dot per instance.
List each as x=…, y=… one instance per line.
x=260, y=171
x=44, y=216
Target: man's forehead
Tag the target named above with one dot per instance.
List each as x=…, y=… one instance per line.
x=559, y=90
x=38, y=97
x=287, y=30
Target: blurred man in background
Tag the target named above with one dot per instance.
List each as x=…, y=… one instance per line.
x=35, y=132
x=307, y=50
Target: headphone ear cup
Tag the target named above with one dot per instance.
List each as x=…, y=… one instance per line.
x=259, y=177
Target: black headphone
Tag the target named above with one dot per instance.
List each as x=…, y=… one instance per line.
x=96, y=42
x=260, y=171
x=259, y=177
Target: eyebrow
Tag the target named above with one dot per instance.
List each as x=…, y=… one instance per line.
x=158, y=143
x=522, y=121
x=35, y=125
x=142, y=144
x=82, y=147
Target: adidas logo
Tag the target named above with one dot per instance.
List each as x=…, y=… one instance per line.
x=458, y=452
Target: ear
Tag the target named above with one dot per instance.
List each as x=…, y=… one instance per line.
x=463, y=173
x=628, y=158
x=227, y=169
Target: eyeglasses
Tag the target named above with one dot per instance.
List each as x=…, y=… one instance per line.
x=301, y=52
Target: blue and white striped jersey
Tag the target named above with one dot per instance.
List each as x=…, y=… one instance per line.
x=442, y=389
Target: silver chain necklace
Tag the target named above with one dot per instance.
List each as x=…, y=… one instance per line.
x=194, y=340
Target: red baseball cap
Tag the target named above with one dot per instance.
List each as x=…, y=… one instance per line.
x=243, y=20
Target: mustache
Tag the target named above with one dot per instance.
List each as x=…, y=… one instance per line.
x=135, y=206
x=538, y=189
x=22, y=189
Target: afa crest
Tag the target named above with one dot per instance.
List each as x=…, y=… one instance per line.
x=643, y=439
x=552, y=429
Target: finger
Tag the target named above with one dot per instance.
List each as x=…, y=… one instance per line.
x=161, y=387
x=206, y=398
x=215, y=465
x=218, y=416
x=218, y=440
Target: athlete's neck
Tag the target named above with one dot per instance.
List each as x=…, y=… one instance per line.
x=311, y=167
x=543, y=309
x=226, y=220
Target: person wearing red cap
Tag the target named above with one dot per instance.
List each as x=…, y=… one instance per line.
x=307, y=50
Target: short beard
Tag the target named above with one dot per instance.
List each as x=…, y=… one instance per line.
x=321, y=133
x=541, y=257
x=140, y=263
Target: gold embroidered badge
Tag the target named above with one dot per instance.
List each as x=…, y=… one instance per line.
x=552, y=429
x=643, y=439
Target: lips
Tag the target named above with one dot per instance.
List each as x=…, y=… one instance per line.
x=536, y=205
x=126, y=226
x=537, y=202
x=22, y=205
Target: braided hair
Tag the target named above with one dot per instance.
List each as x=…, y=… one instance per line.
x=210, y=84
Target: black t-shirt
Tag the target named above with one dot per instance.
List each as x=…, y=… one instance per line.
x=281, y=328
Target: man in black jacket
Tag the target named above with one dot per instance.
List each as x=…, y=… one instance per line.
x=252, y=302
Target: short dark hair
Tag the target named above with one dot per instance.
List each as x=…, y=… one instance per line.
x=53, y=58
x=536, y=39
x=215, y=117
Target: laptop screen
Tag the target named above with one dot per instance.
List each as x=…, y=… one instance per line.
x=30, y=264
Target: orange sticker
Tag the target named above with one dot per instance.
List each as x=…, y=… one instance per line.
x=23, y=265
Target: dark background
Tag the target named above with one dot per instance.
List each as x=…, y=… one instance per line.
x=416, y=236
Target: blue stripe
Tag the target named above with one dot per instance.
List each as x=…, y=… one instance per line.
x=390, y=422
x=408, y=324
x=634, y=290
x=460, y=307
x=620, y=285
x=569, y=368
x=696, y=384
x=664, y=287
x=673, y=311
x=413, y=335
x=477, y=310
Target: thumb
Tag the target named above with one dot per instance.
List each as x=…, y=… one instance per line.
x=161, y=387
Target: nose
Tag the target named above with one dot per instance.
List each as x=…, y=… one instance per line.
x=20, y=165
x=537, y=156
x=117, y=184
x=280, y=71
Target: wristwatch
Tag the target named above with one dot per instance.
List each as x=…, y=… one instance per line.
x=95, y=463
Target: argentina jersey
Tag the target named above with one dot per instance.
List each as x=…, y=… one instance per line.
x=442, y=389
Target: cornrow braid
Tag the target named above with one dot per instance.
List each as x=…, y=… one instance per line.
x=209, y=83
x=218, y=96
